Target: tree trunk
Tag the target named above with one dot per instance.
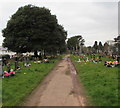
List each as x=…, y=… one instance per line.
x=44, y=54
x=40, y=56
x=35, y=53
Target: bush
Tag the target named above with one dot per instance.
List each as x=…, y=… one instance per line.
x=7, y=56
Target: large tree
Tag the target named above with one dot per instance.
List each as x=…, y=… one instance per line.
x=95, y=47
x=75, y=43
x=57, y=41
x=100, y=47
x=33, y=29
x=106, y=48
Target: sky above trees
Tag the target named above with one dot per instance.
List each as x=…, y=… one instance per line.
x=96, y=20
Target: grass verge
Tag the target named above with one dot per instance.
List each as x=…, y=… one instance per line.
x=100, y=82
x=15, y=89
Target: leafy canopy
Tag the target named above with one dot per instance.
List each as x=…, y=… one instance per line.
x=33, y=28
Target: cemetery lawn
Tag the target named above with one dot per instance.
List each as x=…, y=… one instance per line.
x=100, y=82
x=15, y=89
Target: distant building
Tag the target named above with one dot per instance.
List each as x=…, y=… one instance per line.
x=4, y=51
x=110, y=42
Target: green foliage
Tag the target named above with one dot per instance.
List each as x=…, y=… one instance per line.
x=75, y=42
x=100, y=46
x=7, y=56
x=57, y=41
x=33, y=28
x=95, y=46
x=100, y=82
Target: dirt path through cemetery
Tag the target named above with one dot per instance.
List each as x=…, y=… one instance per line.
x=60, y=88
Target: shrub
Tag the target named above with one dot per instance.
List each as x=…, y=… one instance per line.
x=7, y=56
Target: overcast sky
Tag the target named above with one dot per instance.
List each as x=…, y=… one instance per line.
x=95, y=20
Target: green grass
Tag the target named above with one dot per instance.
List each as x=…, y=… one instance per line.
x=15, y=89
x=100, y=82
x=0, y=93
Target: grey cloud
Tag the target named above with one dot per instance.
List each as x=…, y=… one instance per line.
x=93, y=20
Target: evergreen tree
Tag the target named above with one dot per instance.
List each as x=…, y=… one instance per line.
x=33, y=29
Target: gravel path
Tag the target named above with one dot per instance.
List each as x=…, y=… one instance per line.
x=60, y=88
